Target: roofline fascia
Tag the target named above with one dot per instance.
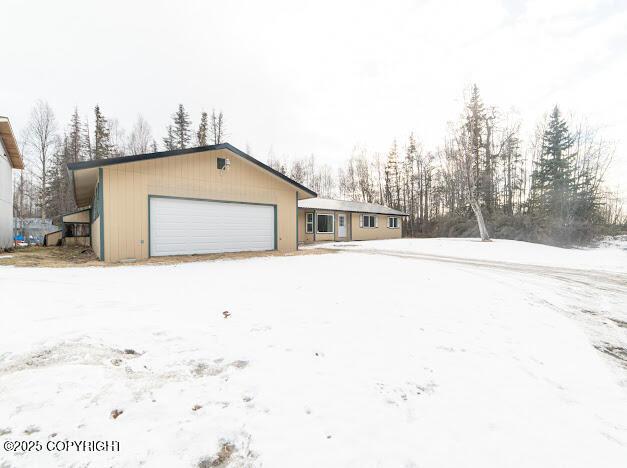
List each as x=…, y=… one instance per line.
x=17, y=146
x=351, y=211
x=165, y=154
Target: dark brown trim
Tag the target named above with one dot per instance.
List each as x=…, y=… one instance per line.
x=166, y=154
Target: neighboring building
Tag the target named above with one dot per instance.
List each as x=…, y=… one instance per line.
x=191, y=201
x=32, y=230
x=75, y=230
x=10, y=158
x=323, y=219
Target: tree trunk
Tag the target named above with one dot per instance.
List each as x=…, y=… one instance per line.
x=483, y=230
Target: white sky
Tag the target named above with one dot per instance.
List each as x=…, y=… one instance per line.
x=318, y=77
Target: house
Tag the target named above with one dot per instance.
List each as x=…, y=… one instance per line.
x=190, y=201
x=10, y=158
x=323, y=219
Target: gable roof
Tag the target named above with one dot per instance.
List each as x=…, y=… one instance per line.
x=10, y=144
x=167, y=154
x=345, y=205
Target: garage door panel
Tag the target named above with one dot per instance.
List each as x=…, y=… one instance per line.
x=180, y=226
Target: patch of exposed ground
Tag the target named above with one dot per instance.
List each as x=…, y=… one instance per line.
x=230, y=454
x=65, y=353
x=220, y=459
x=617, y=352
x=51, y=257
x=71, y=257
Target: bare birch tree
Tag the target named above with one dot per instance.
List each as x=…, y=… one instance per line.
x=41, y=137
x=140, y=138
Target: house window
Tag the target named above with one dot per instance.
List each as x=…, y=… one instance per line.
x=370, y=221
x=325, y=223
x=221, y=163
x=309, y=223
x=393, y=222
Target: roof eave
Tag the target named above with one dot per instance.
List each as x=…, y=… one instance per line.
x=165, y=154
x=10, y=144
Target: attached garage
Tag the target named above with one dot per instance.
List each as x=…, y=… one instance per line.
x=181, y=226
x=201, y=200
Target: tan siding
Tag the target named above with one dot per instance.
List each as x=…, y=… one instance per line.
x=80, y=217
x=127, y=186
x=381, y=232
x=52, y=238
x=95, y=237
x=309, y=238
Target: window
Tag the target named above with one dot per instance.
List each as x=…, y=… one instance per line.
x=393, y=222
x=369, y=221
x=325, y=223
x=221, y=163
x=309, y=223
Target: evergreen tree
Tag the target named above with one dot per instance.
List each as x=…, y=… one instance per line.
x=60, y=199
x=170, y=140
x=182, y=124
x=102, y=136
x=88, y=153
x=74, y=140
x=475, y=120
x=203, y=128
x=553, y=181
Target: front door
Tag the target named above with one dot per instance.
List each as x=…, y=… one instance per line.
x=341, y=225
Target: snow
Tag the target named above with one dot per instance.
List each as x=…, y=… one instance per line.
x=6, y=256
x=362, y=358
x=609, y=259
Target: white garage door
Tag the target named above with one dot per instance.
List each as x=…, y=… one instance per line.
x=180, y=227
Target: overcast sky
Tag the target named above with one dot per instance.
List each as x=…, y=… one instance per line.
x=318, y=77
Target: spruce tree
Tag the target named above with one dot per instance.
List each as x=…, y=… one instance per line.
x=102, y=137
x=88, y=153
x=475, y=128
x=553, y=181
x=182, y=124
x=203, y=128
x=170, y=140
x=75, y=138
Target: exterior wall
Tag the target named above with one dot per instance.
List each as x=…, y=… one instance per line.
x=79, y=217
x=380, y=232
x=126, y=188
x=308, y=238
x=95, y=237
x=6, y=200
x=53, y=238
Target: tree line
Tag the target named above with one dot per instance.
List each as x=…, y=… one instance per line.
x=43, y=189
x=483, y=178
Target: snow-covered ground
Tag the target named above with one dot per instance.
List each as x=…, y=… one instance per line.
x=611, y=258
x=409, y=353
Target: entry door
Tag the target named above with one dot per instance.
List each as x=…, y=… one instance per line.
x=341, y=225
x=182, y=226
